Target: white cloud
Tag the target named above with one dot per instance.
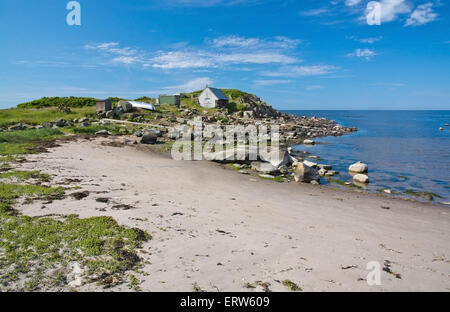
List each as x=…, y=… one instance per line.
x=391, y=10
x=271, y=82
x=218, y=53
x=254, y=58
x=125, y=55
x=202, y=59
x=314, y=12
x=233, y=41
x=352, y=2
x=128, y=60
x=171, y=60
x=103, y=46
x=423, y=14
x=192, y=85
x=230, y=50
x=370, y=40
x=363, y=53
x=300, y=71
x=111, y=47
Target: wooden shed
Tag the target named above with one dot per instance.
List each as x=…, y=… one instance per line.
x=104, y=105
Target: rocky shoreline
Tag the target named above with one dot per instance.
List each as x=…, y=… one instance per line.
x=162, y=127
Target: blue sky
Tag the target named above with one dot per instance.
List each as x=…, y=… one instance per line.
x=293, y=54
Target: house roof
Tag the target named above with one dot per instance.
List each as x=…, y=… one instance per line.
x=218, y=93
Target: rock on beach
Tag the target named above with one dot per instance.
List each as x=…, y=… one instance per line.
x=304, y=173
x=264, y=167
x=149, y=138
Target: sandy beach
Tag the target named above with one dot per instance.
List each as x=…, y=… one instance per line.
x=222, y=231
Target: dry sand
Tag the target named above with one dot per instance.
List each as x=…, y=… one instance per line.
x=220, y=230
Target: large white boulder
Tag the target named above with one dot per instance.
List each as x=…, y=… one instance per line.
x=359, y=167
x=310, y=163
x=277, y=160
x=361, y=178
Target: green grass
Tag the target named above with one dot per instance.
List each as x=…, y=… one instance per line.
x=10, y=192
x=192, y=104
x=9, y=117
x=342, y=182
x=145, y=99
x=169, y=109
x=134, y=283
x=197, y=288
x=234, y=107
x=36, y=253
x=24, y=136
x=14, y=148
x=32, y=246
x=115, y=129
x=56, y=101
x=426, y=195
x=11, y=158
x=21, y=142
x=291, y=285
x=25, y=175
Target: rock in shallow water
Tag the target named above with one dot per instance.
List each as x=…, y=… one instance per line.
x=359, y=167
x=361, y=178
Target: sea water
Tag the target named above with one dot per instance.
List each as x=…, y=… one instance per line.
x=405, y=150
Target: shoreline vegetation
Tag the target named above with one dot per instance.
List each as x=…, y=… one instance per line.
x=69, y=251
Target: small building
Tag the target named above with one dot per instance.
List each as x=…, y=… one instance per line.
x=174, y=99
x=103, y=105
x=212, y=97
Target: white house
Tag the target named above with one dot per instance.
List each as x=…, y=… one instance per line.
x=212, y=97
